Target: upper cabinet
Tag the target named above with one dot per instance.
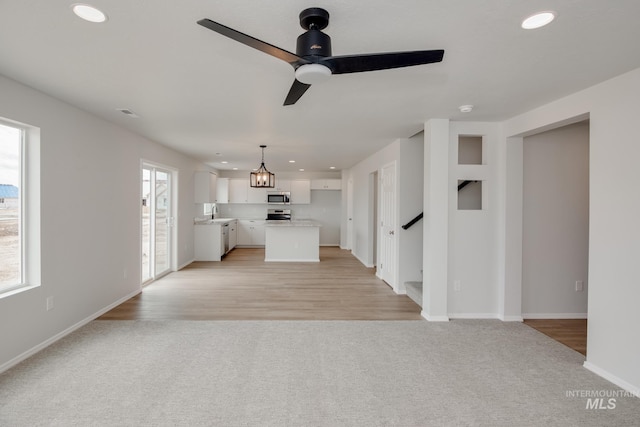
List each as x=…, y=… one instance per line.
x=241, y=192
x=222, y=190
x=326, y=184
x=238, y=190
x=282, y=185
x=300, y=192
x=205, y=184
x=256, y=195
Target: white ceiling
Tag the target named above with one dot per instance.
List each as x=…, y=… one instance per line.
x=204, y=94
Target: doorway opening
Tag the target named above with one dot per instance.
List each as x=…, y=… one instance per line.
x=555, y=226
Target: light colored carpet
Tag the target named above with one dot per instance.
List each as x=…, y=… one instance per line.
x=306, y=373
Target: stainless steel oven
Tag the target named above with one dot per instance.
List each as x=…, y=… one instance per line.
x=279, y=197
x=279, y=215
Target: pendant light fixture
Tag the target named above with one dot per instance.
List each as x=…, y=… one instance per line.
x=261, y=177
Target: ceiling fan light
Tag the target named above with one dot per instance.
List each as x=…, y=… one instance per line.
x=312, y=73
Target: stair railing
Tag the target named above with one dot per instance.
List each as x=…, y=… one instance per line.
x=413, y=221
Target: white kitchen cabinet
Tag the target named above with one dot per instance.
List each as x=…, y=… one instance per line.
x=256, y=195
x=222, y=190
x=282, y=185
x=300, y=192
x=326, y=184
x=208, y=243
x=238, y=190
x=250, y=232
x=257, y=235
x=241, y=192
x=205, y=184
x=233, y=234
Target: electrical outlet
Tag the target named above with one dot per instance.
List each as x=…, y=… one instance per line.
x=579, y=286
x=49, y=303
x=456, y=285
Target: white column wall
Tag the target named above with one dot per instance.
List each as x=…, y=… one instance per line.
x=509, y=233
x=473, y=233
x=436, y=220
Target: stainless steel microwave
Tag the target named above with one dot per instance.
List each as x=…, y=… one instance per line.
x=278, y=197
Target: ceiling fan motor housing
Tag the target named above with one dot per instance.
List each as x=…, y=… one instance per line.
x=313, y=43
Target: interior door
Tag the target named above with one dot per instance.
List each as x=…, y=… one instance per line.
x=387, y=217
x=156, y=221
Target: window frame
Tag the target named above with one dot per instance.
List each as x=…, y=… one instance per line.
x=28, y=209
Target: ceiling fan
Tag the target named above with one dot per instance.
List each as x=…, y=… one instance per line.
x=313, y=62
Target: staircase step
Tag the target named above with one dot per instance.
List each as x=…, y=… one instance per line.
x=414, y=291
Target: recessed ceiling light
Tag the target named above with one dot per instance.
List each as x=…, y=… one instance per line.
x=88, y=13
x=538, y=20
x=465, y=108
x=301, y=170
x=332, y=167
x=292, y=161
x=235, y=169
x=224, y=162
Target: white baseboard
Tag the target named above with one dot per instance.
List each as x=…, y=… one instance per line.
x=510, y=318
x=13, y=362
x=473, y=316
x=433, y=318
x=330, y=244
x=361, y=261
x=612, y=378
x=185, y=264
x=291, y=260
x=554, y=315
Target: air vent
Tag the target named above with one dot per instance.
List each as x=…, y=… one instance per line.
x=128, y=112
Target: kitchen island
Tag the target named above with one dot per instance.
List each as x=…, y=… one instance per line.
x=292, y=241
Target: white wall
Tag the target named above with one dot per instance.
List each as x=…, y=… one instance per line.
x=613, y=343
x=555, y=245
x=410, y=196
x=90, y=222
x=359, y=174
x=473, y=233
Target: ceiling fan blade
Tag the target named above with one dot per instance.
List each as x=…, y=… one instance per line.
x=265, y=47
x=297, y=90
x=380, y=61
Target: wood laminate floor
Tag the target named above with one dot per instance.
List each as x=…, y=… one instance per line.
x=570, y=332
x=244, y=287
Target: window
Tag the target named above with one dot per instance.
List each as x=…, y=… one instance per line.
x=10, y=207
x=19, y=207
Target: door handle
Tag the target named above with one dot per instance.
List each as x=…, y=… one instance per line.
x=392, y=232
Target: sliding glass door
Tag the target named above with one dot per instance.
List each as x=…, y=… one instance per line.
x=157, y=222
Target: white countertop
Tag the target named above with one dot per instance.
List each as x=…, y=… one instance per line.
x=213, y=221
x=293, y=223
